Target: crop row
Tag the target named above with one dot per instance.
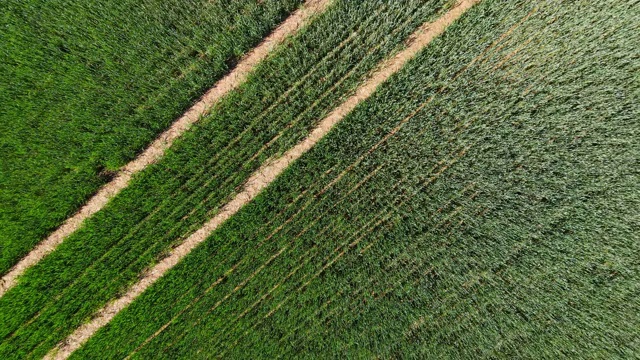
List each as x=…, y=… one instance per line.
x=481, y=203
x=87, y=84
x=283, y=99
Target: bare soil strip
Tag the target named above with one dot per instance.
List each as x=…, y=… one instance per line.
x=262, y=178
x=158, y=147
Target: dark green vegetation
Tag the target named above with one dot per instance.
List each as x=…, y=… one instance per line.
x=286, y=96
x=85, y=85
x=483, y=203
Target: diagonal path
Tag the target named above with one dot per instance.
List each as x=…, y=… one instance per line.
x=263, y=177
x=158, y=147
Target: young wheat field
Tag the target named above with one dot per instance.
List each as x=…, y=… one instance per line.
x=262, y=179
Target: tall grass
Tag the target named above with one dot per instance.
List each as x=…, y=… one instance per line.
x=480, y=204
x=86, y=85
x=286, y=96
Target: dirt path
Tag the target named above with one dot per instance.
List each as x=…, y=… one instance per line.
x=261, y=178
x=158, y=147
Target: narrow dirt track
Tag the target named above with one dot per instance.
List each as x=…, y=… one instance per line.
x=158, y=147
x=262, y=178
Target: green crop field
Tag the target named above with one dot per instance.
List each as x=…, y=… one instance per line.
x=85, y=85
x=172, y=199
x=482, y=203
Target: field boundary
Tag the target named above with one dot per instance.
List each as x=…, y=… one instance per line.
x=265, y=175
x=157, y=148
